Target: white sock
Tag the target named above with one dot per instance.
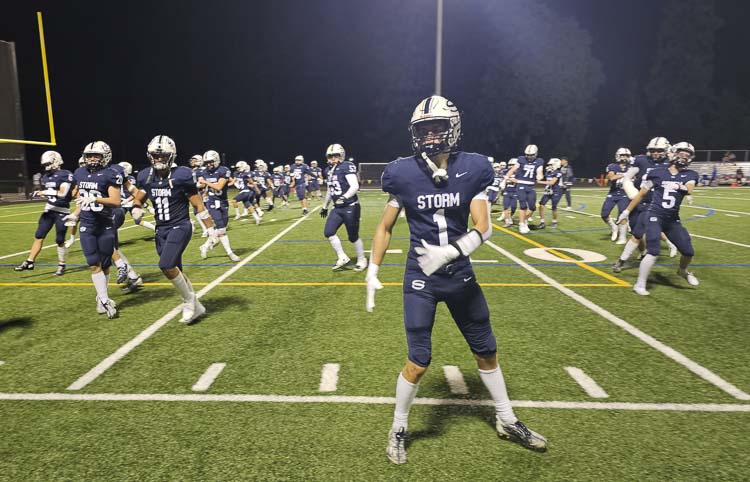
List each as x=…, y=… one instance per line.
x=359, y=247
x=269, y=201
x=183, y=288
x=131, y=273
x=336, y=243
x=203, y=225
x=627, y=251
x=225, y=242
x=255, y=216
x=611, y=222
x=623, y=231
x=669, y=243
x=120, y=262
x=61, y=250
x=647, y=263
x=405, y=393
x=149, y=225
x=493, y=380
x=100, y=285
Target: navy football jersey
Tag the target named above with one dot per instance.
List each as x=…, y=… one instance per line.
x=213, y=176
x=239, y=182
x=550, y=175
x=261, y=178
x=438, y=215
x=645, y=164
x=169, y=194
x=298, y=172
x=667, y=195
x=498, y=179
x=53, y=180
x=287, y=178
x=337, y=182
x=526, y=172
x=615, y=187
x=277, y=179
x=316, y=172
x=96, y=184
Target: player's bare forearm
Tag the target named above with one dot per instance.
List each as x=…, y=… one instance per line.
x=480, y=216
x=138, y=197
x=383, y=232
x=113, y=198
x=637, y=199
x=196, y=201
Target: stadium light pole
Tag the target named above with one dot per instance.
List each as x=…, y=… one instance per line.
x=439, y=49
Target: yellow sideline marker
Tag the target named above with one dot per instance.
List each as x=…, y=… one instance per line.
x=52, y=141
x=260, y=283
x=564, y=256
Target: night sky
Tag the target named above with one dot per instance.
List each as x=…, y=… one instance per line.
x=275, y=79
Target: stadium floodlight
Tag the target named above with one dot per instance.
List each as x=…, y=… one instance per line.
x=52, y=141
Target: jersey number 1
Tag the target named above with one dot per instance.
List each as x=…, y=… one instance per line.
x=439, y=218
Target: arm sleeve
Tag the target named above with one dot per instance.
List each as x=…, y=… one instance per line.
x=353, y=186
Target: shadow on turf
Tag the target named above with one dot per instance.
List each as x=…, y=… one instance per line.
x=15, y=323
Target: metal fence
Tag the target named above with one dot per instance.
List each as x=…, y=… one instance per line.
x=718, y=155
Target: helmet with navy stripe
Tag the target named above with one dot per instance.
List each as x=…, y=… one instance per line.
x=161, y=151
x=51, y=161
x=657, y=148
x=97, y=154
x=681, y=154
x=211, y=159
x=435, y=126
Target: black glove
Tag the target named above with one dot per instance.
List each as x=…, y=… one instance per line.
x=323, y=212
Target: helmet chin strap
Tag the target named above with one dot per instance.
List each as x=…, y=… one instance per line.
x=438, y=175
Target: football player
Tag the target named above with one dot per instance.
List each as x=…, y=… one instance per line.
x=172, y=190
x=510, y=198
x=300, y=171
x=287, y=172
x=237, y=181
x=440, y=188
x=248, y=190
x=196, y=164
x=493, y=191
x=552, y=191
x=215, y=178
x=98, y=195
x=528, y=171
x=669, y=185
x=316, y=178
x=343, y=185
x=616, y=196
x=277, y=180
x=264, y=183
x=57, y=184
x=125, y=272
x=656, y=157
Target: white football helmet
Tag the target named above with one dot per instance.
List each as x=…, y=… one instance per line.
x=242, y=166
x=196, y=161
x=496, y=166
x=682, y=154
x=261, y=165
x=513, y=162
x=299, y=158
x=127, y=167
x=531, y=151
x=435, y=119
x=101, y=148
x=553, y=164
x=161, y=152
x=278, y=169
x=211, y=159
x=623, y=155
x=81, y=161
x=51, y=161
x=335, y=150
x=491, y=159
x=657, y=148
x=313, y=163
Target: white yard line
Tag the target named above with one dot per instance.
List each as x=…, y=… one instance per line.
x=571, y=217
x=107, y=363
x=582, y=212
x=455, y=380
x=195, y=397
x=732, y=215
x=714, y=209
x=484, y=260
x=329, y=377
x=588, y=384
x=667, y=351
x=208, y=378
x=2, y=362
x=389, y=251
x=693, y=235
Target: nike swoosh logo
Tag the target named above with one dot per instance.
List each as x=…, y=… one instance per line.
x=459, y=175
x=468, y=279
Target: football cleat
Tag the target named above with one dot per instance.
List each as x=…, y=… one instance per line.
x=341, y=263
x=204, y=249
x=233, y=257
x=617, y=267
x=672, y=250
x=554, y=224
x=396, y=449
x=304, y=212
x=109, y=308
x=690, y=277
x=501, y=217
x=197, y=311
x=361, y=265
x=237, y=216
x=122, y=274
x=132, y=285
x=519, y=433
x=188, y=310
x=640, y=290
x=60, y=269
x=622, y=241
x=614, y=232
x=26, y=265
x=541, y=225
x=523, y=228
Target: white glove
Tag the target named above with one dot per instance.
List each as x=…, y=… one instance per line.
x=70, y=242
x=137, y=213
x=373, y=284
x=433, y=257
x=213, y=237
x=623, y=216
x=70, y=220
x=85, y=201
x=689, y=199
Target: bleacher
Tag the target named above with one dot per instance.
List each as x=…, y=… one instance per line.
x=725, y=172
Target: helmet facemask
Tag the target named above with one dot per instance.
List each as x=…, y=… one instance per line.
x=432, y=136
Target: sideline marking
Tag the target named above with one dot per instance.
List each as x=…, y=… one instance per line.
x=337, y=283
x=564, y=256
x=389, y=251
x=669, y=352
x=107, y=363
x=207, y=379
x=720, y=240
x=588, y=384
x=329, y=377
x=194, y=397
x=571, y=217
x=483, y=260
x=455, y=380
x=714, y=209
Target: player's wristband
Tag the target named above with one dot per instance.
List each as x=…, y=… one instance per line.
x=468, y=243
x=202, y=215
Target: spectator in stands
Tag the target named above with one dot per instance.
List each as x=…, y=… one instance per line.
x=714, y=175
x=566, y=181
x=740, y=176
x=729, y=156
